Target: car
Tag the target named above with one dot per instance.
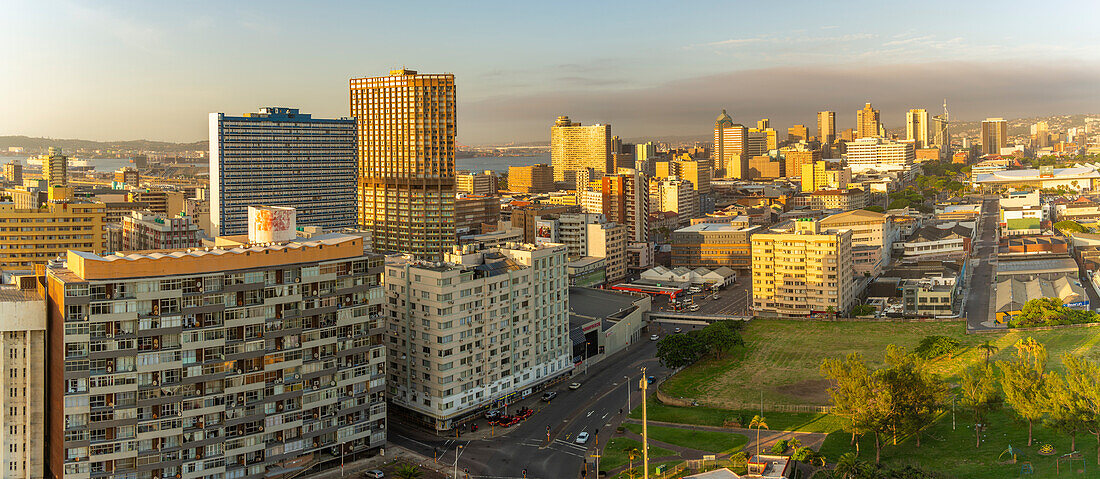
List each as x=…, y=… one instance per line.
x=694, y=307
x=574, y=386
x=678, y=331
x=374, y=474
x=654, y=337
x=651, y=379
x=549, y=396
x=581, y=438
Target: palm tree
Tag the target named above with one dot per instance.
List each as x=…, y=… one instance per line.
x=989, y=349
x=758, y=423
x=846, y=465
x=409, y=471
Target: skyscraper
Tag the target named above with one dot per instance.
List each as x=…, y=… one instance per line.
x=867, y=122
x=918, y=128
x=574, y=147
x=407, y=127
x=730, y=147
x=280, y=157
x=994, y=135
x=55, y=168
x=826, y=127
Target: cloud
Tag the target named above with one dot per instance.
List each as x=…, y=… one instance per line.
x=792, y=95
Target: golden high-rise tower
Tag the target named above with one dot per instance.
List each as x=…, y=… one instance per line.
x=407, y=127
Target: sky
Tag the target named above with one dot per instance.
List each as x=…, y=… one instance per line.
x=113, y=70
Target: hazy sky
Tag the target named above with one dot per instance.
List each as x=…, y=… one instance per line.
x=109, y=70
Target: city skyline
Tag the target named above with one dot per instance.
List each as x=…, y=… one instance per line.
x=521, y=67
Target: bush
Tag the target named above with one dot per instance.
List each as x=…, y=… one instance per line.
x=779, y=447
x=936, y=346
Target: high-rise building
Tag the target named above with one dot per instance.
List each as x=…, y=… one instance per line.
x=13, y=172
x=574, y=147
x=796, y=155
x=730, y=152
x=128, y=176
x=625, y=200
x=867, y=122
x=918, y=128
x=55, y=167
x=798, y=133
x=801, y=272
x=281, y=157
x=826, y=127
x=880, y=154
x=22, y=379
x=407, y=127
x=531, y=179
x=39, y=238
x=994, y=135
x=475, y=331
x=260, y=352
x=142, y=230
x=484, y=183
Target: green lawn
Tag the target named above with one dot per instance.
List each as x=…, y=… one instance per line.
x=614, y=453
x=782, y=358
x=709, y=441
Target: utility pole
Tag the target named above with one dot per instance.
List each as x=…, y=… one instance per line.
x=645, y=431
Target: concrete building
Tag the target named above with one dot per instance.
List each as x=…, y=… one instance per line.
x=142, y=230
x=867, y=122
x=407, y=173
x=918, y=128
x=800, y=271
x=256, y=359
x=30, y=237
x=531, y=179
x=574, y=147
x=826, y=127
x=484, y=329
x=994, y=135
x=880, y=154
x=873, y=236
x=484, y=183
x=55, y=167
x=673, y=194
x=13, y=172
x=730, y=152
x=713, y=245
x=280, y=157
x=22, y=379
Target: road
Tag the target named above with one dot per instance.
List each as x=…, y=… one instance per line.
x=979, y=315
x=600, y=403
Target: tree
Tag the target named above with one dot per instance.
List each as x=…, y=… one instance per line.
x=758, y=423
x=979, y=391
x=677, y=350
x=1083, y=381
x=409, y=471
x=1023, y=381
x=989, y=349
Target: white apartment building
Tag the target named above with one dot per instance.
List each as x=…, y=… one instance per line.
x=880, y=154
x=480, y=330
x=22, y=383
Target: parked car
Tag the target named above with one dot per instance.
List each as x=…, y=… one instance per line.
x=374, y=474
x=575, y=386
x=581, y=438
x=654, y=337
x=550, y=395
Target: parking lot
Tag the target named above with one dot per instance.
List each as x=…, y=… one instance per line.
x=733, y=300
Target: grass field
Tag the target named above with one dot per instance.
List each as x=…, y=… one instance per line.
x=708, y=441
x=782, y=358
x=614, y=453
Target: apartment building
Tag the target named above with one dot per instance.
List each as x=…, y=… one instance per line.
x=873, y=236
x=481, y=330
x=574, y=147
x=280, y=157
x=484, y=183
x=531, y=179
x=147, y=231
x=249, y=361
x=713, y=245
x=30, y=236
x=22, y=381
x=800, y=271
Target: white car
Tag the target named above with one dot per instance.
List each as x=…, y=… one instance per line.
x=581, y=438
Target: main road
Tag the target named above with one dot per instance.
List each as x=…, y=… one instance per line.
x=599, y=404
